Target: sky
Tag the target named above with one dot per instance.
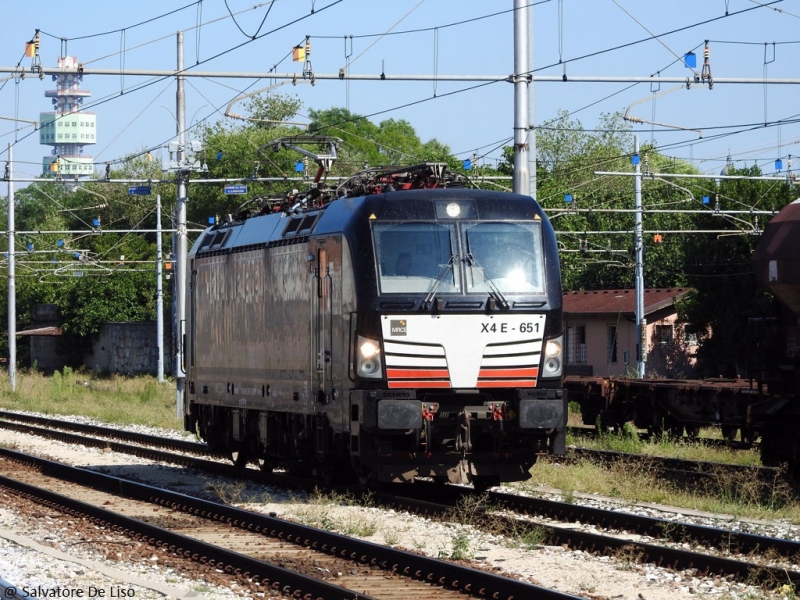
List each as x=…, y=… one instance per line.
x=754, y=123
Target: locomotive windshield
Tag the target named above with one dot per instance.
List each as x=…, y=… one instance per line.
x=416, y=257
x=423, y=257
x=505, y=256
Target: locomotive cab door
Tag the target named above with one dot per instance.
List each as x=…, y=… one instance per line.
x=322, y=326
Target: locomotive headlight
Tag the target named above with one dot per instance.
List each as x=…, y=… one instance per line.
x=369, y=349
x=453, y=210
x=553, y=359
x=368, y=358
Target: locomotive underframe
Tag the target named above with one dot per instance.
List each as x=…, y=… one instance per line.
x=460, y=438
x=482, y=439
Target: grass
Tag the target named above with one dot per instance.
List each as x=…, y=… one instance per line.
x=736, y=495
x=320, y=511
x=627, y=440
x=116, y=399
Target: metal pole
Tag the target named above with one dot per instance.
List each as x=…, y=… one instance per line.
x=531, y=114
x=521, y=182
x=180, y=265
x=641, y=323
x=159, y=295
x=12, y=284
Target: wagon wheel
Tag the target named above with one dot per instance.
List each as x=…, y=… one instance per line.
x=749, y=435
x=729, y=432
x=692, y=430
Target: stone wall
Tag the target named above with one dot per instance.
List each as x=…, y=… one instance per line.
x=129, y=348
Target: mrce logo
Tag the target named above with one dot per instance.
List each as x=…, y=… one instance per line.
x=398, y=327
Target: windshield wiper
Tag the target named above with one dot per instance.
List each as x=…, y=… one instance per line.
x=496, y=293
x=442, y=274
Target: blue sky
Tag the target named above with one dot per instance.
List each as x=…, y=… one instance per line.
x=601, y=38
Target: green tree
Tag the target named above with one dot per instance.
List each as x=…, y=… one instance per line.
x=726, y=295
x=392, y=142
x=594, y=214
x=92, y=275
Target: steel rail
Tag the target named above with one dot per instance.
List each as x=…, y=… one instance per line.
x=662, y=556
x=271, y=576
x=422, y=568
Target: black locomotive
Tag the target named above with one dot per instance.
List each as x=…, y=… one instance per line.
x=400, y=326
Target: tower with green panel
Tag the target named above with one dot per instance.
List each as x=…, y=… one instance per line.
x=68, y=129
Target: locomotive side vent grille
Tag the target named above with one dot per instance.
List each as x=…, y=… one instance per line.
x=288, y=241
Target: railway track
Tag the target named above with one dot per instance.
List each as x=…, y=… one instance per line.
x=263, y=552
x=745, y=556
x=720, y=554
x=679, y=469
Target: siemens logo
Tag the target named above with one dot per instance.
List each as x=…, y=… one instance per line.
x=398, y=327
x=383, y=394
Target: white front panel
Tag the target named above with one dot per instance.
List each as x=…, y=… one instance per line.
x=469, y=343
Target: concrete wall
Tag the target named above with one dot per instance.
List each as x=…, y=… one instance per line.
x=128, y=348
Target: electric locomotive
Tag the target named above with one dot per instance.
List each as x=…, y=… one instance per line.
x=402, y=326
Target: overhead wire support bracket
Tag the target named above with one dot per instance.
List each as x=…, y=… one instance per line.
x=705, y=74
x=633, y=119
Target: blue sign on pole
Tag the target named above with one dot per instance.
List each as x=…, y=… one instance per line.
x=235, y=189
x=139, y=190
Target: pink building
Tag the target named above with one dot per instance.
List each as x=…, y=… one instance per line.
x=600, y=328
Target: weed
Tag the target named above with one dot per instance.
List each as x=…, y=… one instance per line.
x=470, y=509
x=228, y=493
x=532, y=538
x=628, y=556
x=334, y=513
x=460, y=548
x=672, y=531
x=391, y=537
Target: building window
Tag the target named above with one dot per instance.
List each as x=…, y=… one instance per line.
x=663, y=334
x=611, y=344
x=576, y=344
x=690, y=338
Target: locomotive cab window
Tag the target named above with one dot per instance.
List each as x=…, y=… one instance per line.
x=506, y=256
x=416, y=257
